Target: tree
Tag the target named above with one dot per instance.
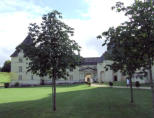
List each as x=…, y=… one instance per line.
x=107, y=55
x=119, y=41
x=7, y=66
x=51, y=53
x=145, y=32
x=139, y=36
x=141, y=15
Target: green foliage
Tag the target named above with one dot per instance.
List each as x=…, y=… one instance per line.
x=52, y=51
x=110, y=83
x=107, y=55
x=137, y=84
x=6, y=67
x=141, y=26
x=131, y=43
x=6, y=85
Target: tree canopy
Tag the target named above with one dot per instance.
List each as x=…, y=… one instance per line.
x=132, y=42
x=6, y=67
x=51, y=47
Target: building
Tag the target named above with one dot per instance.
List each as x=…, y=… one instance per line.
x=93, y=68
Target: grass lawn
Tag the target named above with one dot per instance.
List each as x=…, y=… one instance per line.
x=74, y=101
x=4, y=78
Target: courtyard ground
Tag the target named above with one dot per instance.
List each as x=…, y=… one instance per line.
x=105, y=85
x=123, y=83
x=74, y=101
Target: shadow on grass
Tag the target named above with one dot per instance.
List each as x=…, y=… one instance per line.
x=88, y=103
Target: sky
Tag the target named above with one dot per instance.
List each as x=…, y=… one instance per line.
x=89, y=18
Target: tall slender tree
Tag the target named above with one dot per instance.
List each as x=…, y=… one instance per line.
x=52, y=52
x=139, y=34
x=120, y=41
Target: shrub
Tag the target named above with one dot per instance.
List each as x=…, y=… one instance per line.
x=6, y=85
x=42, y=82
x=137, y=84
x=111, y=83
x=95, y=81
x=102, y=82
x=16, y=84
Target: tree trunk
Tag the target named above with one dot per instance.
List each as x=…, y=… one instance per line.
x=152, y=86
x=54, y=91
x=131, y=91
x=54, y=95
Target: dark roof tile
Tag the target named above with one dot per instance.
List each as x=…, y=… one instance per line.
x=92, y=60
x=86, y=61
x=27, y=41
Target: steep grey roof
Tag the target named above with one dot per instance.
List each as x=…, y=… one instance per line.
x=92, y=60
x=101, y=59
x=94, y=69
x=85, y=61
x=27, y=41
x=15, y=53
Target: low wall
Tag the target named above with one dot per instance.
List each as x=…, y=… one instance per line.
x=46, y=82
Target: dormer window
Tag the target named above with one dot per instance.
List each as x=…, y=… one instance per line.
x=20, y=60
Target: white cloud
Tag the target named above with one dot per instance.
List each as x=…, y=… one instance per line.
x=100, y=18
x=14, y=25
x=85, y=34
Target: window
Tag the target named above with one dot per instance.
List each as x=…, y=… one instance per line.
x=20, y=60
x=115, y=78
x=71, y=69
x=71, y=77
x=20, y=77
x=20, y=68
x=32, y=77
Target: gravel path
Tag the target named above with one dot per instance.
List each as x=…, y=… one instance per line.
x=98, y=85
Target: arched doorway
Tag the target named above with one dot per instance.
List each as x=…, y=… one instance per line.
x=88, y=76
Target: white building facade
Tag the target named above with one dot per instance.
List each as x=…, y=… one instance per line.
x=92, y=68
